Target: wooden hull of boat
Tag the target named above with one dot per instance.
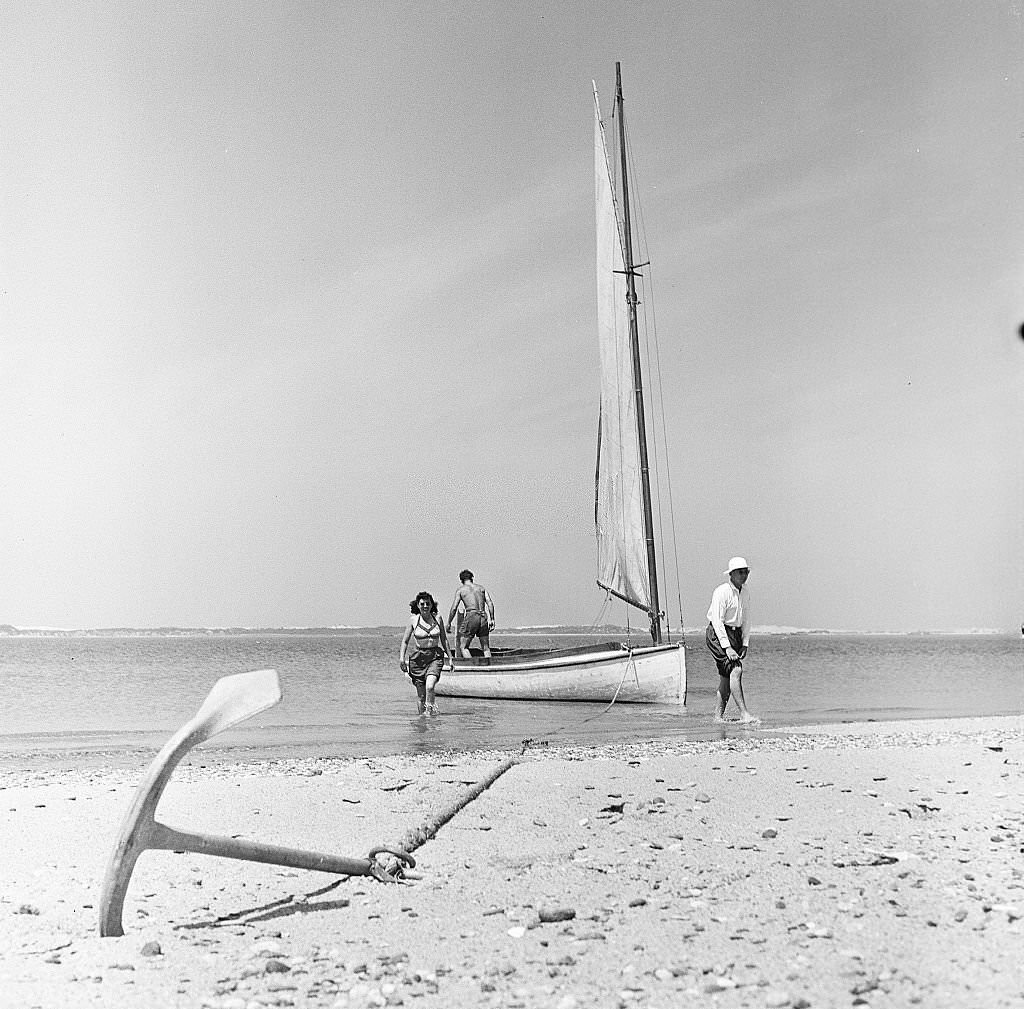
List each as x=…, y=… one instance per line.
x=654, y=675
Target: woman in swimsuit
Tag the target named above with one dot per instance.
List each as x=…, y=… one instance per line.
x=429, y=642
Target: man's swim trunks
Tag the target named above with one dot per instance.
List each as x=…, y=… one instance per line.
x=724, y=663
x=474, y=625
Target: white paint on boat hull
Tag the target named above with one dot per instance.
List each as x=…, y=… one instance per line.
x=655, y=674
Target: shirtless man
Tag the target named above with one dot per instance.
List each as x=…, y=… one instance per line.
x=478, y=620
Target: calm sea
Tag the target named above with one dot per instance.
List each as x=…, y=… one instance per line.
x=344, y=695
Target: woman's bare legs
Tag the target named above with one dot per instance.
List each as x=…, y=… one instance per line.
x=421, y=691
x=431, y=705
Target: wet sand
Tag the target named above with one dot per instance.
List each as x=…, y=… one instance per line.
x=874, y=864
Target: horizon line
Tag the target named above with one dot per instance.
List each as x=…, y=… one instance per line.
x=10, y=630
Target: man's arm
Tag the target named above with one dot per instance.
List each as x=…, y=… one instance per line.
x=489, y=603
x=453, y=610
x=715, y=615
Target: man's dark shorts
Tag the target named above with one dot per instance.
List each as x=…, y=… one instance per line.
x=474, y=625
x=724, y=663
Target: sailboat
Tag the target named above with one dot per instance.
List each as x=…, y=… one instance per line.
x=627, y=567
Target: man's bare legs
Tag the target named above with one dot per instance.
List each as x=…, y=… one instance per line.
x=724, y=692
x=462, y=646
x=732, y=686
x=736, y=683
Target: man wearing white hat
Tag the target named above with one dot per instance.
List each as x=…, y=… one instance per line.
x=728, y=637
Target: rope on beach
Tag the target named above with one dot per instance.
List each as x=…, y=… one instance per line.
x=630, y=665
x=418, y=836
x=394, y=869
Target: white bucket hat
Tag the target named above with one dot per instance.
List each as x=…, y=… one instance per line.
x=736, y=562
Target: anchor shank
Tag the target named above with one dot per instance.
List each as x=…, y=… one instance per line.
x=254, y=851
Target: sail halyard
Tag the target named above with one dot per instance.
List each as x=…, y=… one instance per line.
x=634, y=343
x=623, y=514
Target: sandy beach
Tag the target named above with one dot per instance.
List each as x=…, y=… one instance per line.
x=876, y=864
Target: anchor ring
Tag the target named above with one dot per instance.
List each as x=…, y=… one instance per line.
x=402, y=856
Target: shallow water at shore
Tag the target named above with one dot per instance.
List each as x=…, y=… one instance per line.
x=344, y=696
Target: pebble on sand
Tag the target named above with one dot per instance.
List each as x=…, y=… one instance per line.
x=549, y=914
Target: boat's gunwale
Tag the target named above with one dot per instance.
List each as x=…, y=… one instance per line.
x=564, y=659
x=516, y=655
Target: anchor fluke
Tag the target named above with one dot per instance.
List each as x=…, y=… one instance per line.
x=232, y=700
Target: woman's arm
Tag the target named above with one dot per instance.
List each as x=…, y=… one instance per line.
x=444, y=644
x=405, y=646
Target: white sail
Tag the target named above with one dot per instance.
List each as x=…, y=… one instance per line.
x=612, y=671
x=622, y=556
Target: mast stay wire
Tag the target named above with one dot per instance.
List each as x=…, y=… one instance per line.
x=654, y=368
x=630, y=667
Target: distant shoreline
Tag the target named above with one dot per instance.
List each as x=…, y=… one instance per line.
x=385, y=630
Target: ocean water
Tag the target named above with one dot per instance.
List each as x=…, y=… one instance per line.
x=345, y=696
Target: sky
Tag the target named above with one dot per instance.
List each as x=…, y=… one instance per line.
x=297, y=308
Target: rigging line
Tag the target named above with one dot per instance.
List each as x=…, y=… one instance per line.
x=672, y=519
x=630, y=665
x=660, y=446
x=649, y=296
x=656, y=445
x=668, y=457
x=601, y=612
x=663, y=473
x=668, y=460
x=659, y=452
x=654, y=366
x=646, y=281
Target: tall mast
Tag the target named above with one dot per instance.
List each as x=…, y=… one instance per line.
x=634, y=341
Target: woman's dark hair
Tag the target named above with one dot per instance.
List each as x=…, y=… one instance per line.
x=414, y=606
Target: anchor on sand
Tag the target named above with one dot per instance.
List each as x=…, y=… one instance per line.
x=232, y=700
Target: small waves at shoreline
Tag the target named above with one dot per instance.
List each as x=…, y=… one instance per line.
x=345, y=697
